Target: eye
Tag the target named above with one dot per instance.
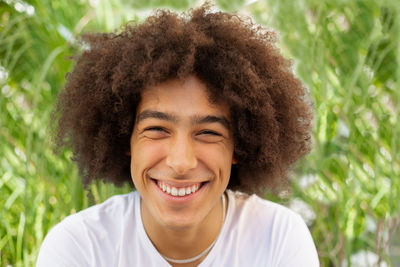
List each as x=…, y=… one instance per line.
x=155, y=132
x=209, y=136
x=208, y=132
x=155, y=128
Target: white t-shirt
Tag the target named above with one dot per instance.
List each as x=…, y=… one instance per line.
x=256, y=232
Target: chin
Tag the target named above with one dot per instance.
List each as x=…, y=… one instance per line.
x=180, y=222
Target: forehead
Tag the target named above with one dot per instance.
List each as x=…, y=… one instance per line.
x=185, y=97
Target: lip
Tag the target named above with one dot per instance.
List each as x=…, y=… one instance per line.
x=179, y=184
x=178, y=199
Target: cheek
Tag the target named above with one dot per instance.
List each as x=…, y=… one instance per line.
x=218, y=159
x=145, y=155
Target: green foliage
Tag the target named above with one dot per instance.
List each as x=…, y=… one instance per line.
x=346, y=52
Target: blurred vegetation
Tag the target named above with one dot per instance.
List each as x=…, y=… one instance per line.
x=346, y=52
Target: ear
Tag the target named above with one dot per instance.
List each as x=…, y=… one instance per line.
x=234, y=159
x=128, y=151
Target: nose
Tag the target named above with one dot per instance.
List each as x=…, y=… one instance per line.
x=181, y=157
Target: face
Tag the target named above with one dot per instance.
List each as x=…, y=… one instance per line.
x=181, y=153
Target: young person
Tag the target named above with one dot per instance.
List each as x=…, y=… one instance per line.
x=198, y=112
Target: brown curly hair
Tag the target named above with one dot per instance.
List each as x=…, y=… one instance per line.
x=236, y=59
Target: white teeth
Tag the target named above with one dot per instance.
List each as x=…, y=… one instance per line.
x=182, y=191
x=174, y=191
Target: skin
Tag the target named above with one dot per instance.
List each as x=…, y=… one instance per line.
x=182, y=139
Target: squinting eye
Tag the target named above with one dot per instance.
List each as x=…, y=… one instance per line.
x=210, y=133
x=208, y=136
x=156, y=129
x=155, y=132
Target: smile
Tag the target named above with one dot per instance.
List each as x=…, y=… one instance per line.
x=178, y=191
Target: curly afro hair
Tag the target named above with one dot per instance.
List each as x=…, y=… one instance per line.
x=237, y=61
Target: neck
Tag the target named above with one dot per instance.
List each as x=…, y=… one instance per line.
x=187, y=242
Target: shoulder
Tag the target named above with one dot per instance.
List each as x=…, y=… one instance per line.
x=114, y=208
x=79, y=238
x=101, y=219
x=272, y=232
x=258, y=210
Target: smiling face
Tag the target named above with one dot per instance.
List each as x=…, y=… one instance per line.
x=181, y=154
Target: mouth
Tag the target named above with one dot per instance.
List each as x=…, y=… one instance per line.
x=179, y=190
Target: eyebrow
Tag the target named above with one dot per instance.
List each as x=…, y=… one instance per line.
x=147, y=114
